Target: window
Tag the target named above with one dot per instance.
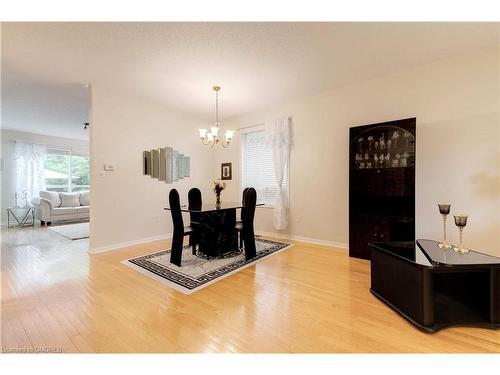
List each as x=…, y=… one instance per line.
x=257, y=167
x=66, y=171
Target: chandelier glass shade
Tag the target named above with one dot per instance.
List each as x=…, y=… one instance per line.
x=211, y=137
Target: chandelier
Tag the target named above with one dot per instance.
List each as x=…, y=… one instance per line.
x=212, y=137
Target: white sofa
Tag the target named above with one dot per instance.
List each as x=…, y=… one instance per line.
x=53, y=206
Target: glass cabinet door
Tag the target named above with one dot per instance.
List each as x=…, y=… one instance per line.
x=383, y=147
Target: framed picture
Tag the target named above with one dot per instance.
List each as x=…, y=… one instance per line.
x=226, y=171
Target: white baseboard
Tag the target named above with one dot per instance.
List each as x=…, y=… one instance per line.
x=121, y=245
x=314, y=241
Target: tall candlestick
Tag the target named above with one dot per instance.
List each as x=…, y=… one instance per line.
x=461, y=222
x=444, y=209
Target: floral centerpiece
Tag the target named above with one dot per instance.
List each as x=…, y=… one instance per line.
x=217, y=187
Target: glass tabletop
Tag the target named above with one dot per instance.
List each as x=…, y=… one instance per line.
x=449, y=257
x=428, y=253
x=209, y=207
x=19, y=210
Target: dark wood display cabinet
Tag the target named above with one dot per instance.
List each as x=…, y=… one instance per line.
x=381, y=184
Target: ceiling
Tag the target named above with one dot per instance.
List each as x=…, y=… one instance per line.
x=54, y=109
x=257, y=64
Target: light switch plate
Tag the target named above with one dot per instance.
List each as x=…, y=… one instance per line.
x=109, y=167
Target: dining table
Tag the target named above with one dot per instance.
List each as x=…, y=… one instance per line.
x=216, y=228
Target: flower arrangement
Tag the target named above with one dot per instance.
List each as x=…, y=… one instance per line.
x=217, y=187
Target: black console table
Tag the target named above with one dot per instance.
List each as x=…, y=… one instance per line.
x=435, y=288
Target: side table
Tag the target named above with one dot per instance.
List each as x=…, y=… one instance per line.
x=23, y=216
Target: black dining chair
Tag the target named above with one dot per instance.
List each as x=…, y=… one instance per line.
x=239, y=223
x=247, y=231
x=194, y=203
x=179, y=229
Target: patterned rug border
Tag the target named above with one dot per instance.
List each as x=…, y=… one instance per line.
x=187, y=285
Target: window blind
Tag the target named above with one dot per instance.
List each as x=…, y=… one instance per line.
x=257, y=167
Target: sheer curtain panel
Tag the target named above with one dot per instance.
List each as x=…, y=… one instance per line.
x=29, y=159
x=278, y=140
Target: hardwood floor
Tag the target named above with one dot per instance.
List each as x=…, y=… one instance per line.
x=305, y=299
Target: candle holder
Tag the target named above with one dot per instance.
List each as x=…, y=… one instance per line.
x=461, y=222
x=444, y=210
x=15, y=196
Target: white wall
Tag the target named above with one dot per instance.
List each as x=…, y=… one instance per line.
x=8, y=162
x=126, y=206
x=456, y=103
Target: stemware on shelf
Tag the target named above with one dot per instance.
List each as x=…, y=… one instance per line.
x=370, y=142
x=381, y=142
x=444, y=210
x=395, y=137
x=460, y=222
x=406, y=136
x=374, y=150
x=360, y=144
x=387, y=158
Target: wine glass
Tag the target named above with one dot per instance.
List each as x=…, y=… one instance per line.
x=395, y=137
x=381, y=142
x=444, y=210
x=406, y=136
x=387, y=158
x=360, y=146
x=461, y=222
x=370, y=142
x=403, y=161
x=396, y=162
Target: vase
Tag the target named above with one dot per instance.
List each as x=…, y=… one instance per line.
x=217, y=199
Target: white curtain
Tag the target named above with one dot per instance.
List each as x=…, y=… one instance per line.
x=278, y=139
x=30, y=177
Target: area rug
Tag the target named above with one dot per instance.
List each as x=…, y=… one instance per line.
x=72, y=231
x=196, y=272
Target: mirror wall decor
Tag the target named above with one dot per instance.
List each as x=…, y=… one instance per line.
x=166, y=164
x=155, y=159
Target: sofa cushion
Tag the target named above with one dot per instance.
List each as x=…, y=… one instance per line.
x=83, y=209
x=70, y=199
x=51, y=196
x=64, y=211
x=84, y=198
